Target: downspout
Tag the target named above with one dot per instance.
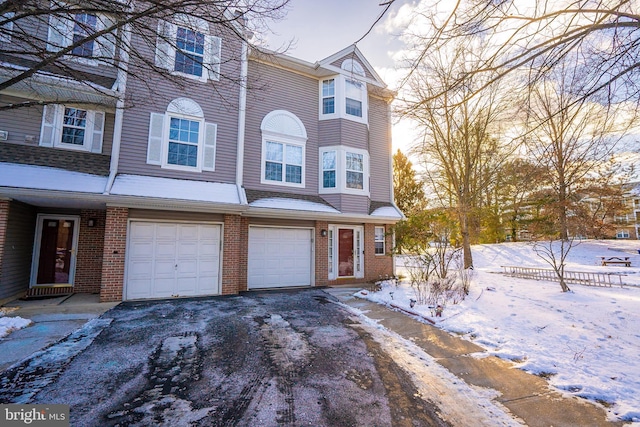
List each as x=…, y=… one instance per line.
x=242, y=116
x=121, y=82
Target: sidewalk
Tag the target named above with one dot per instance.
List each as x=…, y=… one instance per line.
x=527, y=396
x=53, y=319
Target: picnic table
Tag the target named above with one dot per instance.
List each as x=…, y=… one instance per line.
x=615, y=260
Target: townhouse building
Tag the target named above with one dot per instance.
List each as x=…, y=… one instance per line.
x=233, y=170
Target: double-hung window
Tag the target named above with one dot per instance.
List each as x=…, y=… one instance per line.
x=74, y=128
x=181, y=139
x=345, y=95
x=186, y=48
x=344, y=170
x=77, y=30
x=329, y=96
x=353, y=98
x=379, y=240
x=283, y=149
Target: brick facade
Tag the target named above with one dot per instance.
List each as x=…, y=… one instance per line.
x=4, y=222
x=377, y=265
x=234, y=262
x=322, y=254
x=88, y=276
x=115, y=242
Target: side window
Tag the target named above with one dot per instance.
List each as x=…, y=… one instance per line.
x=72, y=128
x=6, y=27
x=284, y=139
x=329, y=96
x=379, y=241
x=355, y=170
x=69, y=29
x=181, y=139
x=186, y=48
x=329, y=167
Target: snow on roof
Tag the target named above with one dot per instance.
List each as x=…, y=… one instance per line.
x=168, y=188
x=387, y=211
x=46, y=178
x=292, y=204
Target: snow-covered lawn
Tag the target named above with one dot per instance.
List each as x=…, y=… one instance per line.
x=586, y=342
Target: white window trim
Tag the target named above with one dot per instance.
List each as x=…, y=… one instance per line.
x=623, y=234
x=340, y=103
x=166, y=47
x=285, y=141
x=376, y=240
x=158, y=143
x=341, y=171
x=52, y=124
x=7, y=28
x=61, y=35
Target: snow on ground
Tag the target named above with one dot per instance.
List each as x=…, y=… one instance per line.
x=10, y=324
x=586, y=342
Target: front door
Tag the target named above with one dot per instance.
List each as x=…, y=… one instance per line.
x=345, y=252
x=54, y=255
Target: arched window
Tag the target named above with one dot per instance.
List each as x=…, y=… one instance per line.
x=284, y=138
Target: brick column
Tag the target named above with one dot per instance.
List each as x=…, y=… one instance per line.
x=234, y=263
x=4, y=222
x=322, y=254
x=376, y=265
x=90, y=251
x=115, y=241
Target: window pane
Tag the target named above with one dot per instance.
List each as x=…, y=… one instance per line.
x=329, y=179
x=184, y=130
x=74, y=122
x=72, y=136
x=353, y=90
x=379, y=233
x=353, y=107
x=85, y=25
x=329, y=160
x=294, y=174
x=328, y=106
x=328, y=88
x=379, y=249
x=273, y=171
x=354, y=162
x=189, y=52
x=274, y=151
x=182, y=154
x=294, y=155
x=183, y=142
x=355, y=180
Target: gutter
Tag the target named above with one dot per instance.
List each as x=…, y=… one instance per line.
x=121, y=82
x=242, y=118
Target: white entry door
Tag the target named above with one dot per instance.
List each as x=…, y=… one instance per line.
x=172, y=259
x=279, y=257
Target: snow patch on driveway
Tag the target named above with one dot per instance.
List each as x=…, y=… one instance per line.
x=10, y=324
x=288, y=348
x=24, y=380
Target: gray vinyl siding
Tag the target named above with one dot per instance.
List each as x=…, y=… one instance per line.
x=348, y=203
x=343, y=132
x=174, y=216
x=24, y=123
x=18, y=250
x=281, y=90
x=149, y=92
x=379, y=150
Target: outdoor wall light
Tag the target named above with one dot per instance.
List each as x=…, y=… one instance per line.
x=323, y=232
x=92, y=222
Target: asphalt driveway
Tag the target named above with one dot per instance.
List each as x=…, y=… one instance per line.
x=260, y=359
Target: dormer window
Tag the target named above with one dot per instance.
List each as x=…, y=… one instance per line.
x=345, y=95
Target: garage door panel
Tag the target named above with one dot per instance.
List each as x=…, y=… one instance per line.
x=279, y=257
x=167, y=259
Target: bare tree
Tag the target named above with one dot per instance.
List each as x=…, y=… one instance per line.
x=529, y=39
x=457, y=146
x=569, y=134
x=58, y=38
x=554, y=252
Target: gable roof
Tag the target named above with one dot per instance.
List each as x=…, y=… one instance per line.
x=350, y=52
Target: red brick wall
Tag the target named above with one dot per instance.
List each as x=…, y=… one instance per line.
x=115, y=242
x=376, y=265
x=322, y=254
x=90, y=252
x=234, y=262
x=4, y=221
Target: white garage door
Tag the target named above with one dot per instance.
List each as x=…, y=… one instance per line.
x=169, y=259
x=279, y=257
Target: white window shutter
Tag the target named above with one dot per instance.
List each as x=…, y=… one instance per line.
x=209, y=152
x=98, y=132
x=60, y=33
x=213, y=48
x=156, y=130
x=105, y=46
x=49, y=132
x=165, y=45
